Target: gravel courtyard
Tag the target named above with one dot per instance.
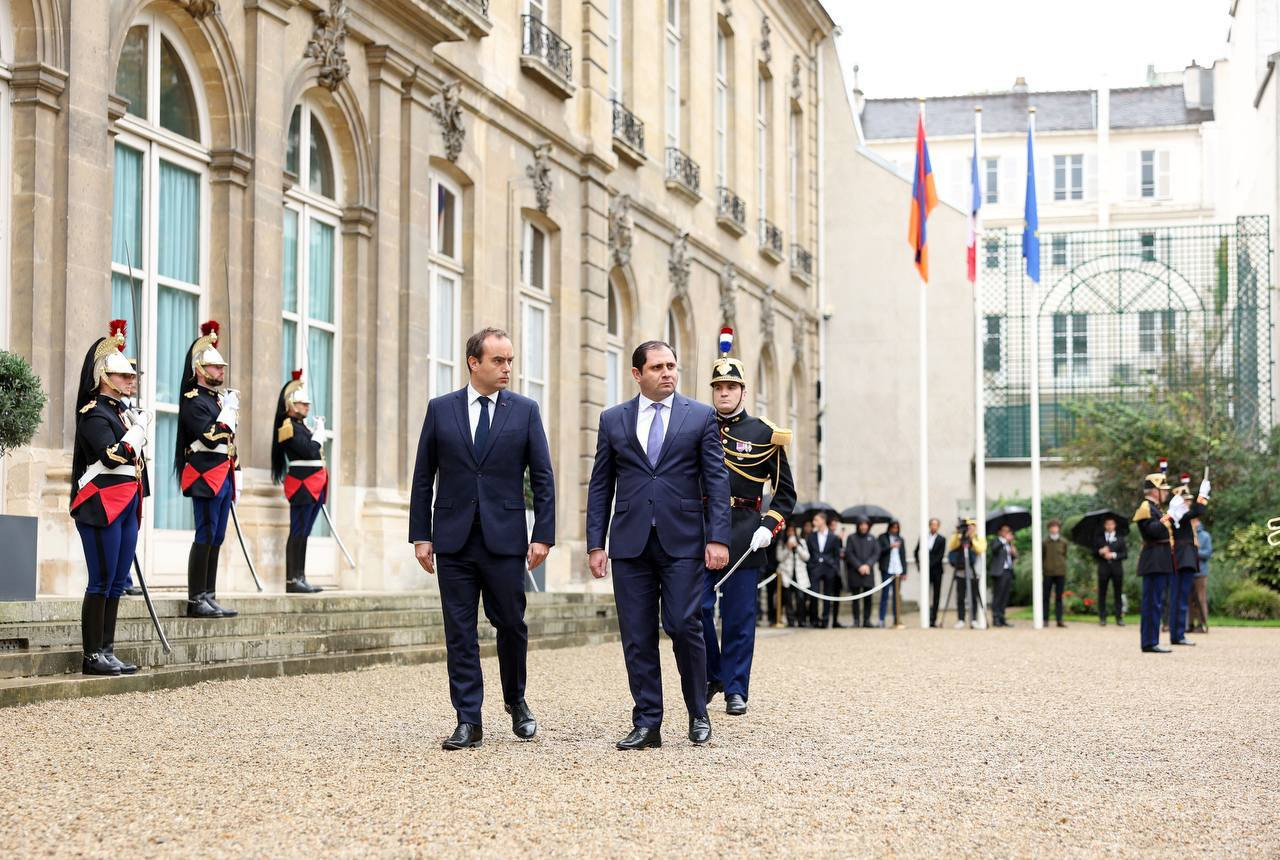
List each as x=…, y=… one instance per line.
x=859, y=742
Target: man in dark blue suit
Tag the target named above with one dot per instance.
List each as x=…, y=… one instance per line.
x=478, y=442
x=659, y=456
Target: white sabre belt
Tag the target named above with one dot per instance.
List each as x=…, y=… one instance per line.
x=306, y=463
x=96, y=469
x=199, y=447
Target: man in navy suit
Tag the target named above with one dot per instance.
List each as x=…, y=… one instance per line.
x=659, y=456
x=478, y=442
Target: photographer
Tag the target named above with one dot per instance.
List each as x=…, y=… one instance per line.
x=964, y=548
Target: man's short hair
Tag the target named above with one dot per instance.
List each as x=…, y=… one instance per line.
x=1053, y=523
x=820, y=515
x=641, y=354
x=475, y=343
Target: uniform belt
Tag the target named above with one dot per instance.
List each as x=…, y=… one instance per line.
x=306, y=463
x=748, y=504
x=96, y=469
x=198, y=447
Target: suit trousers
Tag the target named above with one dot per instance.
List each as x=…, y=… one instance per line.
x=829, y=584
x=935, y=593
x=1179, y=597
x=640, y=584
x=887, y=599
x=729, y=660
x=1154, y=586
x=861, y=607
x=465, y=578
x=1055, y=586
x=967, y=587
x=1003, y=582
x=1114, y=578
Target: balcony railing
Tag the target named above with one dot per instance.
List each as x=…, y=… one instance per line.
x=683, y=173
x=801, y=262
x=481, y=6
x=628, y=128
x=770, y=240
x=547, y=53
x=731, y=210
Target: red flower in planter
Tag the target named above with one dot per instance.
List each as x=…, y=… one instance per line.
x=1088, y=601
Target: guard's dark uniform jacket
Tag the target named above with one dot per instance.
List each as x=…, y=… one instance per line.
x=306, y=479
x=208, y=446
x=1157, y=540
x=755, y=452
x=1185, y=550
x=107, y=472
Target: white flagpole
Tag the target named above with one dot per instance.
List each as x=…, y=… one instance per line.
x=979, y=411
x=922, y=568
x=1037, y=572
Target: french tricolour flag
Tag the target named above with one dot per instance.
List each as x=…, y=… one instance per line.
x=975, y=206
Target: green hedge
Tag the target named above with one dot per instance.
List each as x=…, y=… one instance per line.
x=22, y=401
x=1253, y=601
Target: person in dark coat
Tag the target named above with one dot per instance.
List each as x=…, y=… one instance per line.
x=1156, y=563
x=893, y=565
x=861, y=554
x=937, y=548
x=1185, y=509
x=297, y=461
x=1053, y=555
x=1004, y=553
x=1111, y=549
x=824, y=568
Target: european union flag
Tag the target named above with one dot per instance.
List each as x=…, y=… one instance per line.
x=1030, y=216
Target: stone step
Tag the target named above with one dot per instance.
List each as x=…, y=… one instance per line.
x=21, y=691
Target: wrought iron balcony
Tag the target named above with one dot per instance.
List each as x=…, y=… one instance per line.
x=801, y=263
x=547, y=55
x=770, y=240
x=683, y=173
x=628, y=131
x=731, y=211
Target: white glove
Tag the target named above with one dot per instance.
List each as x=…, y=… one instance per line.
x=231, y=399
x=320, y=435
x=229, y=417
x=135, y=437
x=141, y=419
x=1204, y=488
x=239, y=484
x=761, y=538
x=1178, y=508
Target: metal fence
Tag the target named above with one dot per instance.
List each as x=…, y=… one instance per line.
x=1121, y=312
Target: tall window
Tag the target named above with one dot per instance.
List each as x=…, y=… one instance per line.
x=1070, y=344
x=1058, y=254
x=309, y=272
x=793, y=422
x=992, y=170
x=1148, y=174
x=722, y=108
x=444, y=256
x=535, y=280
x=993, y=253
x=613, y=350
x=1147, y=242
x=762, y=387
x=671, y=334
x=536, y=9
x=793, y=174
x=1148, y=178
x=991, y=345
x=762, y=144
x=615, y=50
x=1068, y=177
x=159, y=228
x=1157, y=327
x=674, y=84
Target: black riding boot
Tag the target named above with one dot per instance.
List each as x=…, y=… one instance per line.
x=297, y=583
x=197, y=563
x=109, y=637
x=211, y=584
x=91, y=622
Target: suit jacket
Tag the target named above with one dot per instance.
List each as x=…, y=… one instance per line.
x=860, y=550
x=1157, y=556
x=1119, y=547
x=490, y=481
x=883, y=543
x=998, y=553
x=825, y=562
x=937, y=553
x=686, y=495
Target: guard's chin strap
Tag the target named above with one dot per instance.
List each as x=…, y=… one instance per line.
x=107, y=381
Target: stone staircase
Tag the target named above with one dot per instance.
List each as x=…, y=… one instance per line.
x=274, y=635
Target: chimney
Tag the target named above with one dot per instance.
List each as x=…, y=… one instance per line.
x=1196, y=89
x=859, y=100
x=1020, y=85
x=1151, y=75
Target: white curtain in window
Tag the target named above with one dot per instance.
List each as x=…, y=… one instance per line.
x=179, y=223
x=176, y=326
x=321, y=263
x=442, y=340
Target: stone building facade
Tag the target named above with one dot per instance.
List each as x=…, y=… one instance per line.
x=353, y=187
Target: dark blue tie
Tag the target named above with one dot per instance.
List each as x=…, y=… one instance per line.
x=482, y=426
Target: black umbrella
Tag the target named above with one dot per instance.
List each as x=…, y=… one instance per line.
x=1085, y=531
x=1010, y=515
x=804, y=511
x=873, y=514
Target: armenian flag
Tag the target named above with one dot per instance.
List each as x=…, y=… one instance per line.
x=923, y=198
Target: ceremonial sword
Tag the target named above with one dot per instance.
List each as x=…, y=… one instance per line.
x=226, y=270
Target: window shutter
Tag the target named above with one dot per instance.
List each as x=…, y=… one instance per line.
x=1163, y=175
x=1091, y=177
x=1132, y=168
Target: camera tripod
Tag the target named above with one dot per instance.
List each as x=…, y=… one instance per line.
x=973, y=586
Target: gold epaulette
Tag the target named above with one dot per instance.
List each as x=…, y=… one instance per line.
x=1143, y=512
x=195, y=392
x=285, y=433
x=88, y=406
x=781, y=435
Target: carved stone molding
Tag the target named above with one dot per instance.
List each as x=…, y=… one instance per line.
x=798, y=338
x=447, y=109
x=766, y=50
x=726, y=9
x=620, y=226
x=328, y=44
x=540, y=173
x=796, y=90
x=679, y=265
x=200, y=9
x=728, y=295
x=768, y=317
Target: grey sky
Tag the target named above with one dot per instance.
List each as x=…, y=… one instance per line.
x=944, y=47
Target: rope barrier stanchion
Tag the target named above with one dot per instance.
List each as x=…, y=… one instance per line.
x=788, y=581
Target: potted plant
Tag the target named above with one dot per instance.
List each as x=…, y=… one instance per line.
x=22, y=401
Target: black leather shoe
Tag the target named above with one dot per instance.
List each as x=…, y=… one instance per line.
x=125, y=668
x=735, y=705
x=300, y=586
x=699, y=730
x=1187, y=642
x=223, y=612
x=641, y=738
x=465, y=736
x=837, y=624
x=200, y=608
x=1119, y=622
x=1155, y=649
x=713, y=687
x=97, y=664
x=133, y=591
x=522, y=721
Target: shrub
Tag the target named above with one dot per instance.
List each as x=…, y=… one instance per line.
x=1248, y=548
x=22, y=401
x=1254, y=602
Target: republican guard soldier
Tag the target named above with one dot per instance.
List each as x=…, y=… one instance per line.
x=755, y=454
x=108, y=484
x=1156, y=563
x=205, y=460
x=1186, y=553
x=297, y=461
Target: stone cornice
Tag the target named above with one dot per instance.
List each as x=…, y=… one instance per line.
x=38, y=83
x=388, y=66
x=232, y=166
x=278, y=9
x=358, y=220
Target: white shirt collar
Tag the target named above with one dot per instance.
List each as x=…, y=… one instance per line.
x=473, y=395
x=645, y=402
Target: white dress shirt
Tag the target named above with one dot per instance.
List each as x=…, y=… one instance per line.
x=645, y=419
x=822, y=541
x=895, y=559
x=473, y=408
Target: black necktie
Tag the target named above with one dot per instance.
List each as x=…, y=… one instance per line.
x=482, y=426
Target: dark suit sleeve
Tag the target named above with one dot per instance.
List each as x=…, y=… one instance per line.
x=424, y=479
x=200, y=421
x=1121, y=548
x=542, y=481
x=102, y=439
x=715, y=482
x=1153, y=530
x=600, y=489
